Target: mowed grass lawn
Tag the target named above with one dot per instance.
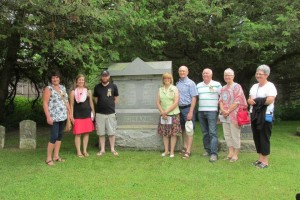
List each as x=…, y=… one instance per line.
x=147, y=175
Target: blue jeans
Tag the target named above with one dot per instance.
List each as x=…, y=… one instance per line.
x=208, y=123
x=57, y=130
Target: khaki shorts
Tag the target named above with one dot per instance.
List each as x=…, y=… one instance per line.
x=106, y=124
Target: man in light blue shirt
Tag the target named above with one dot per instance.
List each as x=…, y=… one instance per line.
x=187, y=101
x=209, y=91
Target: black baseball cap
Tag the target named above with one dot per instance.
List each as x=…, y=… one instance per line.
x=104, y=73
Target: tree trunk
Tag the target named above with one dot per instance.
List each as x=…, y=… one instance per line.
x=6, y=73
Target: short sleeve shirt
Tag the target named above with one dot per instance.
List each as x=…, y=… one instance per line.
x=233, y=94
x=187, y=90
x=268, y=90
x=209, y=95
x=106, y=98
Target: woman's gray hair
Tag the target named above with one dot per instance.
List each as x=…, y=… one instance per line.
x=265, y=68
x=229, y=71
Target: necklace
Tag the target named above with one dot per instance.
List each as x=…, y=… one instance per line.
x=80, y=91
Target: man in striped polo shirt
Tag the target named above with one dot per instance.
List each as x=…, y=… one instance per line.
x=209, y=91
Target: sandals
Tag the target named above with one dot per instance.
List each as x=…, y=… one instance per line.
x=49, y=162
x=257, y=162
x=262, y=166
x=115, y=153
x=182, y=151
x=80, y=156
x=186, y=155
x=59, y=160
x=86, y=154
x=164, y=154
x=233, y=159
x=100, y=153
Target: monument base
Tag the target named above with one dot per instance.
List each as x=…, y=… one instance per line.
x=141, y=139
x=246, y=146
x=27, y=144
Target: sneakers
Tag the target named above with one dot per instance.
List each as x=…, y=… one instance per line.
x=262, y=166
x=213, y=158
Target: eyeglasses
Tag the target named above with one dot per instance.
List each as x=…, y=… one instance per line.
x=167, y=78
x=258, y=74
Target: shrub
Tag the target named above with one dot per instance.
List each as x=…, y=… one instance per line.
x=23, y=110
x=289, y=112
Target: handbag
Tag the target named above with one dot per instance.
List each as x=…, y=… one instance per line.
x=243, y=116
x=68, y=126
x=269, y=118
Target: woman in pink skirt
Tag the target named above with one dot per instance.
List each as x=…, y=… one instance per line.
x=82, y=114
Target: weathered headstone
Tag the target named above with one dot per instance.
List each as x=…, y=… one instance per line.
x=137, y=114
x=298, y=131
x=2, y=137
x=27, y=134
x=247, y=143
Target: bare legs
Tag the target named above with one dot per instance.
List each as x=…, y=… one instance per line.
x=166, y=144
x=50, y=148
x=112, y=139
x=264, y=159
x=189, y=142
x=56, y=148
x=85, y=141
x=78, y=144
x=184, y=137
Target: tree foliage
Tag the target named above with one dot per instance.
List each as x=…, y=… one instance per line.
x=87, y=35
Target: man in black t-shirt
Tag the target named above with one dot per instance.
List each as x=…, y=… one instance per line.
x=106, y=96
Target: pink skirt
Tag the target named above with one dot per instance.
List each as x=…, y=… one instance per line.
x=83, y=126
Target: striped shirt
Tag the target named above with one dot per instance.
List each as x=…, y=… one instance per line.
x=209, y=95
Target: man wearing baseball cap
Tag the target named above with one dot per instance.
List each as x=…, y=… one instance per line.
x=106, y=96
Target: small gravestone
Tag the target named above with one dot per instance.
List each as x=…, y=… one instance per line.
x=137, y=113
x=2, y=136
x=247, y=143
x=27, y=134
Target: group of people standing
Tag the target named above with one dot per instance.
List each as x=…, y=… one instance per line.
x=79, y=107
x=177, y=106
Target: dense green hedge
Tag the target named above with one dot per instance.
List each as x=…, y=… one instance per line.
x=23, y=110
x=289, y=112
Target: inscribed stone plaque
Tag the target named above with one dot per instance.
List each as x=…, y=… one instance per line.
x=2, y=137
x=137, y=114
x=137, y=93
x=246, y=132
x=137, y=118
x=27, y=134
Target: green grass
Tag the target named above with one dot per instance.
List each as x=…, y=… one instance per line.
x=147, y=175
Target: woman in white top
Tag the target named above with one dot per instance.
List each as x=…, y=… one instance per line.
x=261, y=98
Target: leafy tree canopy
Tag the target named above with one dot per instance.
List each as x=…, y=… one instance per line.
x=87, y=35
